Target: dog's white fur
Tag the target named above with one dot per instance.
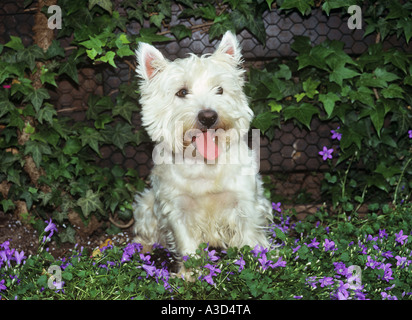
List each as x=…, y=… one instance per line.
x=194, y=202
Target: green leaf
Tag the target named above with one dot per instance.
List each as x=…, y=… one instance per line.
x=54, y=50
x=105, y=4
x=340, y=73
x=397, y=58
x=68, y=235
x=125, y=110
x=309, y=86
x=36, y=97
x=277, y=88
x=37, y=149
x=15, y=44
x=72, y=146
x=303, y=113
x=108, y=57
x=378, y=117
x=304, y=6
x=120, y=134
x=393, y=91
x=70, y=69
x=91, y=137
x=46, y=114
x=29, y=55
x=181, y=31
x=90, y=203
x=263, y=121
x=328, y=101
x=149, y=35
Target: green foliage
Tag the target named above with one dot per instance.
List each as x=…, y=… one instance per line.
x=369, y=96
x=313, y=262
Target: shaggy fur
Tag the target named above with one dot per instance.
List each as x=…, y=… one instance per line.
x=196, y=197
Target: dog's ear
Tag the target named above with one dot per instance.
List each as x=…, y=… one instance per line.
x=229, y=46
x=150, y=61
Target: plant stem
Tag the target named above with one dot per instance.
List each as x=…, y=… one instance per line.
x=395, y=198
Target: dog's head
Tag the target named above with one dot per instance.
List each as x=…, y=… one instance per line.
x=188, y=102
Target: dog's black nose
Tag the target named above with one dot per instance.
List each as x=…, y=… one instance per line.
x=207, y=117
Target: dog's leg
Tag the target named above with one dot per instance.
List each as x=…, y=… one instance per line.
x=145, y=227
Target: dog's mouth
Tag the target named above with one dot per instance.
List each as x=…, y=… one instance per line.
x=206, y=143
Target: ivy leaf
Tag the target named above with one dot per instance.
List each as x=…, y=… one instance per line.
x=328, y=101
x=263, y=121
x=277, y=88
x=393, y=91
x=72, y=146
x=125, y=110
x=90, y=203
x=181, y=31
x=15, y=44
x=303, y=113
x=91, y=137
x=69, y=68
x=378, y=116
x=105, y=4
x=108, y=57
x=340, y=73
x=29, y=55
x=54, y=50
x=119, y=135
x=149, y=35
x=250, y=21
x=46, y=114
x=68, y=235
x=37, y=149
x=36, y=97
x=304, y=6
x=397, y=58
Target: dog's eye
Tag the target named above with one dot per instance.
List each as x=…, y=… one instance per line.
x=182, y=93
x=219, y=90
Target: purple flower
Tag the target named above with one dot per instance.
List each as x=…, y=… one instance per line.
x=343, y=293
x=264, y=261
x=51, y=227
x=326, y=281
x=212, y=272
x=145, y=259
x=336, y=135
x=340, y=268
x=329, y=245
x=276, y=206
x=400, y=238
x=372, y=263
x=241, y=263
x=382, y=234
x=311, y=281
x=410, y=134
x=386, y=296
x=2, y=286
x=387, y=271
x=279, y=263
x=313, y=244
x=150, y=270
x=326, y=153
x=211, y=255
x=402, y=261
x=19, y=256
x=258, y=249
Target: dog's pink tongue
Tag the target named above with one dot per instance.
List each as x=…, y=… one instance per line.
x=206, y=146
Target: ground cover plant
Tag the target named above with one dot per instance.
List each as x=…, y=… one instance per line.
x=48, y=171
x=319, y=258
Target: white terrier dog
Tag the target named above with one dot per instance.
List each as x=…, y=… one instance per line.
x=203, y=189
